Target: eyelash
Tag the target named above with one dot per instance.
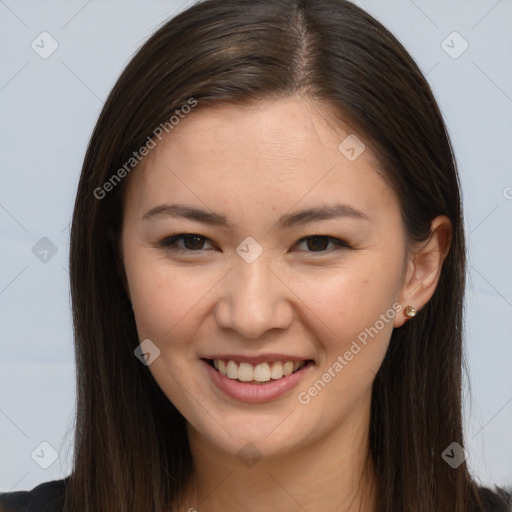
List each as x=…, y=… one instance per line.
x=169, y=243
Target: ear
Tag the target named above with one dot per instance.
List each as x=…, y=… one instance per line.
x=424, y=265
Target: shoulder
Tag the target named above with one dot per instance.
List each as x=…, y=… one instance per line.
x=498, y=500
x=45, y=497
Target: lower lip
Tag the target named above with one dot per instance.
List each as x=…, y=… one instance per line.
x=256, y=393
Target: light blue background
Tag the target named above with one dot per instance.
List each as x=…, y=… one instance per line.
x=48, y=109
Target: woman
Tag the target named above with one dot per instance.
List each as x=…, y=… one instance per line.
x=267, y=273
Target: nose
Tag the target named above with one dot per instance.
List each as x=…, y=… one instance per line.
x=253, y=300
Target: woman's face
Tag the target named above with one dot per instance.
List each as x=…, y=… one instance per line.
x=262, y=284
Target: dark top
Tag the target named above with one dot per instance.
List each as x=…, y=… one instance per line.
x=49, y=497
x=46, y=497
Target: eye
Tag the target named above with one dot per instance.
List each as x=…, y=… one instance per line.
x=319, y=243
x=191, y=242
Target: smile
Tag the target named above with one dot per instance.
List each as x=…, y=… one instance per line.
x=256, y=383
x=262, y=372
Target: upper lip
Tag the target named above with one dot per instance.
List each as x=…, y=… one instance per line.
x=257, y=359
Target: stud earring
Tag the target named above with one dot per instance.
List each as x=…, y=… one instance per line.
x=409, y=311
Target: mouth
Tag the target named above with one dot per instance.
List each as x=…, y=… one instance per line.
x=256, y=380
x=258, y=374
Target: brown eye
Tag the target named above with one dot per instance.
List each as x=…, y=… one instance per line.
x=190, y=242
x=320, y=243
x=317, y=243
x=193, y=242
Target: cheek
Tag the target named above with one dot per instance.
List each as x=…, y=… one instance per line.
x=358, y=308
x=165, y=300
x=353, y=297
x=355, y=308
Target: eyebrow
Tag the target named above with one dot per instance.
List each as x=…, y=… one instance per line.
x=216, y=219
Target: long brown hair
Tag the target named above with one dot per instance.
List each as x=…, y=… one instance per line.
x=131, y=450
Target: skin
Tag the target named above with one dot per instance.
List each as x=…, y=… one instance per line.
x=254, y=164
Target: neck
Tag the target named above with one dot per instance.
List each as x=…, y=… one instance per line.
x=331, y=474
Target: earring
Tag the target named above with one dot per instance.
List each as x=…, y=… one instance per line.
x=409, y=311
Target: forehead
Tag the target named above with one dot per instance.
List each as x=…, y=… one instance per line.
x=270, y=152
x=282, y=131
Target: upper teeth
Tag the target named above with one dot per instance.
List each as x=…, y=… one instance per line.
x=262, y=372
